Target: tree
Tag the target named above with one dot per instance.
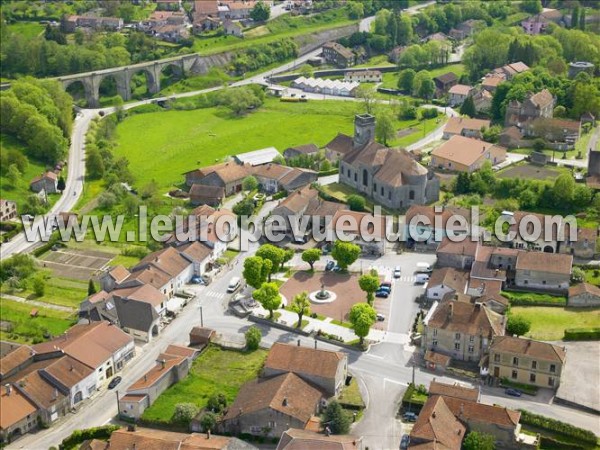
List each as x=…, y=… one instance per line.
x=217, y=403
x=582, y=20
x=384, y=127
x=564, y=190
x=107, y=200
x=367, y=94
x=406, y=79
x=575, y=17
x=253, y=337
x=268, y=296
x=405, y=30
x=311, y=256
x=274, y=254
x=126, y=12
x=532, y=6
x=356, y=202
x=240, y=101
x=478, y=441
x=14, y=175
x=208, y=421
x=184, y=413
x=345, y=253
x=38, y=285
x=91, y=287
x=261, y=12
x=249, y=183
x=306, y=71
x=468, y=107
x=369, y=283
x=356, y=10
x=301, y=306
x=60, y=185
x=577, y=275
x=149, y=189
x=517, y=325
x=423, y=85
x=256, y=271
x=539, y=145
x=94, y=164
x=362, y=317
x=336, y=419
x=560, y=111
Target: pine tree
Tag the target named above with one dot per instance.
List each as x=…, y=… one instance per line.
x=582, y=20
x=91, y=287
x=575, y=17
x=468, y=107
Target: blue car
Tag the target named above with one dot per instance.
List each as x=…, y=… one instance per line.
x=330, y=265
x=385, y=288
x=382, y=293
x=404, y=442
x=513, y=392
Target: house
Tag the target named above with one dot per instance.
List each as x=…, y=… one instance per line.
x=464, y=126
x=19, y=414
x=455, y=390
x=526, y=361
x=227, y=175
x=491, y=82
x=511, y=137
x=460, y=330
x=138, y=309
x=237, y=9
x=458, y=93
x=47, y=182
x=437, y=427
x=338, y=55
x=524, y=234
x=274, y=177
x=459, y=255
x=8, y=210
x=322, y=368
x=171, y=32
x=326, y=86
x=440, y=37
x=200, y=254
x=136, y=437
x=110, y=279
x=535, y=25
x=233, y=28
x=463, y=154
x=296, y=439
x=258, y=157
x=488, y=293
x=539, y=105
x=584, y=295
x=269, y=406
x=559, y=134
x=465, y=29
x=206, y=195
x=205, y=16
x=485, y=270
x=552, y=271
x=366, y=231
x=300, y=150
x=446, y=281
x=392, y=178
x=168, y=5
x=172, y=366
x=444, y=82
x=429, y=225
x=363, y=76
x=510, y=70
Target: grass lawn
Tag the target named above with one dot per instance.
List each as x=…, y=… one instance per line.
x=91, y=189
x=26, y=29
x=215, y=371
x=390, y=80
x=379, y=61
x=163, y=145
x=350, y=395
x=341, y=324
x=592, y=276
x=20, y=192
x=58, y=291
x=534, y=297
x=549, y=323
x=26, y=328
x=277, y=29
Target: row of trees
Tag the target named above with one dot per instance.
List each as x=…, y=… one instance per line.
x=262, y=55
x=38, y=113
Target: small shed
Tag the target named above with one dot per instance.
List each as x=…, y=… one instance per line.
x=201, y=336
x=258, y=157
x=436, y=361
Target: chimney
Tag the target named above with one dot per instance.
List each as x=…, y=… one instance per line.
x=462, y=409
x=450, y=310
x=298, y=342
x=285, y=401
x=54, y=394
x=145, y=378
x=162, y=364
x=71, y=368
x=8, y=389
x=433, y=415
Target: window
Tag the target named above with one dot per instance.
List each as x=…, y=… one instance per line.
x=411, y=195
x=534, y=365
x=375, y=187
x=457, y=336
x=532, y=377
x=365, y=177
x=457, y=346
x=496, y=358
x=434, y=343
x=515, y=361
x=550, y=381
x=435, y=331
x=471, y=338
x=471, y=348
x=514, y=375
x=552, y=368
x=355, y=177
x=389, y=195
x=381, y=190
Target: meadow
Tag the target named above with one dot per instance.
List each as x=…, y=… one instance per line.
x=390, y=80
x=549, y=323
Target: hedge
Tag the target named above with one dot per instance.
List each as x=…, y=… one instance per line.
x=548, y=443
x=280, y=195
x=582, y=334
x=78, y=436
x=534, y=299
x=53, y=240
x=324, y=173
x=556, y=426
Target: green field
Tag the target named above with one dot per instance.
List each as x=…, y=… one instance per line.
x=549, y=323
x=29, y=329
x=215, y=371
x=58, y=291
x=277, y=29
x=20, y=192
x=26, y=29
x=390, y=80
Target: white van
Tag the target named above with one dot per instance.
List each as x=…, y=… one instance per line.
x=424, y=267
x=234, y=285
x=422, y=278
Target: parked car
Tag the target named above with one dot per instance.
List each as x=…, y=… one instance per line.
x=513, y=392
x=336, y=268
x=410, y=417
x=404, y=442
x=383, y=287
x=380, y=317
x=114, y=382
x=197, y=280
x=382, y=293
x=330, y=265
x=397, y=272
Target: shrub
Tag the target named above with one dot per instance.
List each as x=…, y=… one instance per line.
x=184, y=413
x=550, y=443
x=356, y=203
x=208, y=421
x=429, y=113
x=78, y=436
x=279, y=195
x=253, y=337
x=337, y=418
x=556, y=426
x=582, y=334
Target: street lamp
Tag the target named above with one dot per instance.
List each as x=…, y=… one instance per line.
x=201, y=317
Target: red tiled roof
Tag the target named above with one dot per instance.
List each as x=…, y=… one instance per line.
x=291, y=358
